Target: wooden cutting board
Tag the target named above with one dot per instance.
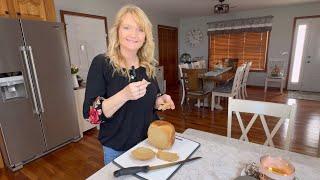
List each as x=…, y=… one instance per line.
x=184, y=147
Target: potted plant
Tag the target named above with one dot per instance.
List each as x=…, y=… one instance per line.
x=74, y=71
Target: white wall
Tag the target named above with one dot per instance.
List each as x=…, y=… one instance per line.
x=109, y=8
x=280, y=39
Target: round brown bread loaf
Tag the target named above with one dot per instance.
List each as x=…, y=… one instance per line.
x=161, y=134
x=143, y=153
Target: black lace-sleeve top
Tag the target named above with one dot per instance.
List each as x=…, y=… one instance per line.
x=129, y=125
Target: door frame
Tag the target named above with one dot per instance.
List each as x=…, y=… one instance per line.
x=177, y=55
x=71, y=13
x=292, y=41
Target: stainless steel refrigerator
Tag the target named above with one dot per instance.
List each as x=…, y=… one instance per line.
x=37, y=108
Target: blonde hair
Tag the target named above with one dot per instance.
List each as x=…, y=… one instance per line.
x=145, y=53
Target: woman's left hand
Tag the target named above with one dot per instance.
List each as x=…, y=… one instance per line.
x=164, y=102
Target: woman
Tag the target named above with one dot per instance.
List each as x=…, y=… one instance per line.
x=122, y=93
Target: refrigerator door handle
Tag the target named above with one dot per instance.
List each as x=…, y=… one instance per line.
x=25, y=59
x=29, y=48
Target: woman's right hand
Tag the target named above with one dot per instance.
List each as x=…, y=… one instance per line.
x=135, y=90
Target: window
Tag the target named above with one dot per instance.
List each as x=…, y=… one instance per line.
x=245, y=46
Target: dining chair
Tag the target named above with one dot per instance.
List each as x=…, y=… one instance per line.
x=160, y=79
x=230, y=89
x=203, y=64
x=181, y=66
x=196, y=65
x=244, y=80
x=285, y=112
x=239, y=96
x=275, y=73
x=194, y=85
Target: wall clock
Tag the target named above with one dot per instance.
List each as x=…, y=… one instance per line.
x=194, y=37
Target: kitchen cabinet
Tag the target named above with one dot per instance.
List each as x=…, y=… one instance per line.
x=4, y=10
x=28, y=9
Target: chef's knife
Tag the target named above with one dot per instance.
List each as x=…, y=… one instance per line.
x=137, y=169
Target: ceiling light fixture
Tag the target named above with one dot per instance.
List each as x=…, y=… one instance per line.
x=221, y=8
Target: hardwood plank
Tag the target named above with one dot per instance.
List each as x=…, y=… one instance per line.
x=1, y=161
x=306, y=129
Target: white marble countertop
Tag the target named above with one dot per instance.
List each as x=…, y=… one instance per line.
x=224, y=158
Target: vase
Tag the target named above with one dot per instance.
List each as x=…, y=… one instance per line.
x=75, y=81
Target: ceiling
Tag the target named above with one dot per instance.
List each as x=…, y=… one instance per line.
x=193, y=8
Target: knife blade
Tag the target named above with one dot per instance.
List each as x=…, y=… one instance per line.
x=137, y=169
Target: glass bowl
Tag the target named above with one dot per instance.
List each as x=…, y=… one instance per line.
x=276, y=168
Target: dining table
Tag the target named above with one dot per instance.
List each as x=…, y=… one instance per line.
x=219, y=75
x=214, y=78
x=225, y=158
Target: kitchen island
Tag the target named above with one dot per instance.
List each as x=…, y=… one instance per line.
x=225, y=158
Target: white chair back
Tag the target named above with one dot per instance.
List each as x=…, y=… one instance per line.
x=200, y=64
x=160, y=79
x=203, y=64
x=259, y=108
x=237, y=80
x=182, y=65
x=195, y=65
x=243, y=90
x=246, y=72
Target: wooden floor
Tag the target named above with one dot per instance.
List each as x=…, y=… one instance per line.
x=305, y=133
x=80, y=160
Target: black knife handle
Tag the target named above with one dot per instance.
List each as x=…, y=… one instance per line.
x=130, y=170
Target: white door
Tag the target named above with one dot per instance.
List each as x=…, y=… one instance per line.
x=311, y=67
x=305, y=58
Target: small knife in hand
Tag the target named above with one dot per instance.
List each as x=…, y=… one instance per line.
x=137, y=169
